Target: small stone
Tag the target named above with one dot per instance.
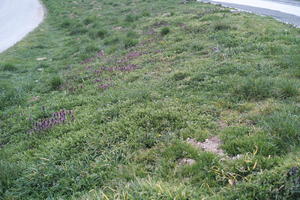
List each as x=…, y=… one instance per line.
x=118, y=28
x=237, y=157
x=216, y=49
x=232, y=182
x=41, y=59
x=187, y=161
x=166, y=15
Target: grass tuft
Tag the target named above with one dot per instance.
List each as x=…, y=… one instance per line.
x=8, y=67
x=55, y=83
x=129, y=42
x=165, y=31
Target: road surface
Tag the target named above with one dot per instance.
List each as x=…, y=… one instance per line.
x=287, y=11
x=17, y=19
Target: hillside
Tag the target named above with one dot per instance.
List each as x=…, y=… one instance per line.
x=116, y=100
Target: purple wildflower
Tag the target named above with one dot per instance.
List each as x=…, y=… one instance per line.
x=134, y=54
x=88, y=60
x=127, y=68
x=104, y=86
x=56, y=119
x=98, y=71
x=88, y=67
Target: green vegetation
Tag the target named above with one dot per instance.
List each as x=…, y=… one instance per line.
x=165, y=31
x=99, y=101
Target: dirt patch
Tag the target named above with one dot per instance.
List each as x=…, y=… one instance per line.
x=223, y=124
x=160, y=24
x=210, y=145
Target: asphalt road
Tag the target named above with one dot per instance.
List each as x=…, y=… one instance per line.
x=287, y=11
x=17, y=19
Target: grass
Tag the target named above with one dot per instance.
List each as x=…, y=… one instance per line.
x=99, y=101
x=164, y=31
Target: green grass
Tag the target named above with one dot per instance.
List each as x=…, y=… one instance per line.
x=141, y=77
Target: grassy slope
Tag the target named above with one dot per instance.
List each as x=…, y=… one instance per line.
x=201, y=71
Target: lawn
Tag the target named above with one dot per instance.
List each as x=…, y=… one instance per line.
x=101, y=101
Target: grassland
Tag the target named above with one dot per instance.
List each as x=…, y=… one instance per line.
x=99, y=101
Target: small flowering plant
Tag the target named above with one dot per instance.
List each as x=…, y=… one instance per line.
x=127, y=68
x=92, y=59
x=57, y=118
x=105, y=86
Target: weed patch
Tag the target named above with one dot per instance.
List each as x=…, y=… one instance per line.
x=55, y=83
x=8, y=67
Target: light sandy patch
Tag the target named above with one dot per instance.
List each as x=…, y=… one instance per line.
x=210, y=145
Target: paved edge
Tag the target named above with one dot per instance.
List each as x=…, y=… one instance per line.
x=44, y=16
x=285, y=18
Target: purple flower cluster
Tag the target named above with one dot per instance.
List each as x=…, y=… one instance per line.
x=127, y=68
x=56, y=119
x=105, y=86
x=133, y=54
x=98, y=80
x=98, y=71
x=102, y=80
x=121, y=65
x=130, y=56
x=88, y=60
x=92, y=59
x=88, y=67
